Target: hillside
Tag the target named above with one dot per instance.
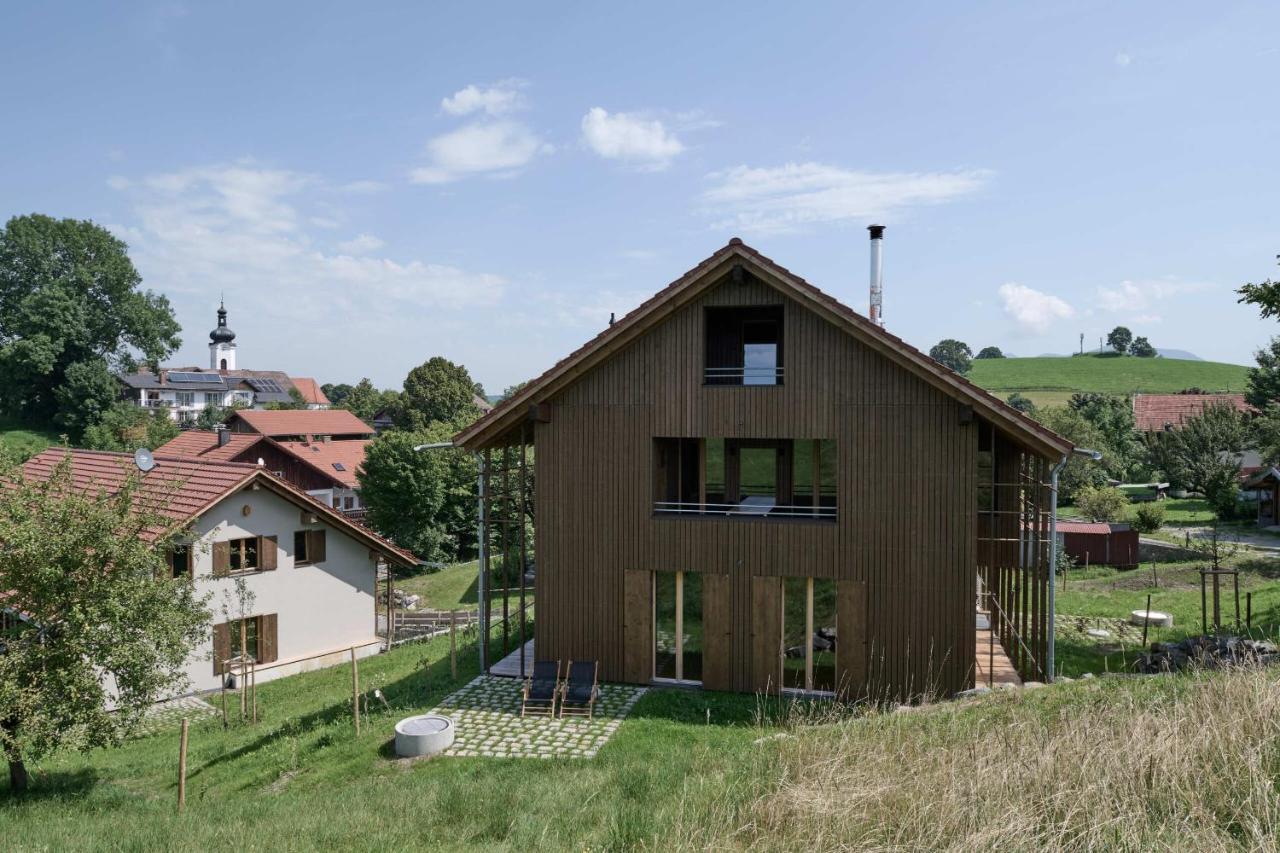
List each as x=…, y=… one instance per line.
x=1049, y=380
x=21, y=441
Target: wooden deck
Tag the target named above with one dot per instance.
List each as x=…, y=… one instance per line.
x=992, y=669
x=509, y=667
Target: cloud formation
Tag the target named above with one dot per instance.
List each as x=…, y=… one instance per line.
x=1034, y=312
x=630, y=138
x=797, y=195
x=497, y=99
x=1141, y=296
x=493, y=148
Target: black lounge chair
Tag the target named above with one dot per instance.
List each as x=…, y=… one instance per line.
x=541, y=688
x=581, y=689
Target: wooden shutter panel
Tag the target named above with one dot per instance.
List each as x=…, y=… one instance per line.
x=766, y=639
x=315, y=546
x=221, y=646
x=637, y=629
x=267, y=556
x=851, y=639
x=716, y=632
x=268, y=647
x=221, y=559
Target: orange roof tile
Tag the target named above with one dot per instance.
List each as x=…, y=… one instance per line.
x=1153, y=412
x=203, y=443
x=278, y=422
x=310, y=390
x=325, y=455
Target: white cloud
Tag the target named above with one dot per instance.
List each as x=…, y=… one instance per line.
x=630, y=138
x=361, y=244
x=498, y=99
x=795, y=195
x=1123, y=59
x=499, y=149
x=1140, y=296
x=1032, y=310
x=363, y=187
x=246, y=228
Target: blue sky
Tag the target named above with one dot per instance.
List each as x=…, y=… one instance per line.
x=372, y=185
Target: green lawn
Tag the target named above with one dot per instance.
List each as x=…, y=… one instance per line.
x=22, y=440
x=451, y=588
x=1051, y=381
x=301, y=779
x=1100, y=591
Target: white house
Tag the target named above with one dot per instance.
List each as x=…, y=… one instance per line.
x=310, y=573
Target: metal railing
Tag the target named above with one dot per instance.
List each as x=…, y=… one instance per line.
x=744, y=375
x=746, y=510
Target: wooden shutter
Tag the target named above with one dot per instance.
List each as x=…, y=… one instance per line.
x=315, y=546
x=766, y=634
x=268, y=646
x=221, y=646
x=221, y=559
x=851, y=639
x=637, y=630
x=268, y=558
x=716, y=632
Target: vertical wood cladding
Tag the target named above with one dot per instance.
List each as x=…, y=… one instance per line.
x=906, y=526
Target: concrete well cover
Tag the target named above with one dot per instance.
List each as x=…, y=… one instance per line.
x=425, y=734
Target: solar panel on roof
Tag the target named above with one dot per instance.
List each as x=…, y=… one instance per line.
x=265, y=386
x=181, y=377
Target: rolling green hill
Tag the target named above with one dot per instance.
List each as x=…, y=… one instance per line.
x=1050, y=381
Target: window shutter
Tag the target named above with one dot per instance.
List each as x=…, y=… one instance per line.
x=267, y=559
x=221, y=559
x=267, y=645
x=221, y=646
x=315, y=546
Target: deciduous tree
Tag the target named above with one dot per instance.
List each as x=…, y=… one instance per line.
x=1119, y=339
x=436, y=391
x=1142, y=348
x=102, y=620
x=126, y=426
x=953, y=354
x=989, y=352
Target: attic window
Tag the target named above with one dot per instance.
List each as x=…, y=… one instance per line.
x=744, y=345
x=338, y=466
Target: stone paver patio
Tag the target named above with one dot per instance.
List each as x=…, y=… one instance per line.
x=169, y=713
x=486, y=714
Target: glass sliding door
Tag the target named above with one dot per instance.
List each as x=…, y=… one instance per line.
x=809, y=634
x=677, y=626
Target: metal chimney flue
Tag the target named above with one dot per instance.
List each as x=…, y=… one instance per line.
x=877, y=274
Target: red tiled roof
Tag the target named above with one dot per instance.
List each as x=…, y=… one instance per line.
x=323, y=455
x=1083, y=526
x=277, y=422
x=203, y=443
x=1152, y=412
x=644, y=315
x=184, y=488
x=310, y=390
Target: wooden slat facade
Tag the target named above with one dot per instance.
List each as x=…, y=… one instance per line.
x=903, y=549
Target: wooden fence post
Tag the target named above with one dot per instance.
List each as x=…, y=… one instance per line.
x=453, y=644
x=182, y=766
x=1146, y=621
x=355, y=690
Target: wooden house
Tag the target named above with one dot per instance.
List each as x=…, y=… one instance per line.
x=745, y=485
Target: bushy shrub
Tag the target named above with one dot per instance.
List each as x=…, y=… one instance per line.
x=1149, y=517
x=1102, y=503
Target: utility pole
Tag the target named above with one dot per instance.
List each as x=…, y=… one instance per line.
x=1082, y=343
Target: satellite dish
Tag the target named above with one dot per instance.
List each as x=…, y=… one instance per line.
x=143, y=459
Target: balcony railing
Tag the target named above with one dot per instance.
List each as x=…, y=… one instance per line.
x=756, y=506
x=743, y=375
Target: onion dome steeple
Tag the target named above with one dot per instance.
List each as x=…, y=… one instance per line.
x=222, y=335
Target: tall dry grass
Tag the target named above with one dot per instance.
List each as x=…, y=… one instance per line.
x=1177, y=763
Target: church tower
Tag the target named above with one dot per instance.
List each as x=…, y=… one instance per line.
x=222, y=344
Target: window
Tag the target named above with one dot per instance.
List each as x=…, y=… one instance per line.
x=250, y=647
x=180, y=561
x=349, y=502
x=212, y=398
x=743, y=345
x=746, y=477
x=253, y=636
x=677, y=611
x=244, y=554
x=184, y=398
x=338, y=466
x=809, y=634
x=308, y=547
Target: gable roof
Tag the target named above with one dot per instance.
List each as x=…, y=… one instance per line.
x=186, y=488
x=279, y=422
x=325, y=455
x=708, y=273
x=310, y=390
x=1152, y=412
x=203, y=443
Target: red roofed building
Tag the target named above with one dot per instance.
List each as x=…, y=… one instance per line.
x=1155, y=412
x=312, y=571
x=1100, y=543
x=300, y=424
x=310, y=391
